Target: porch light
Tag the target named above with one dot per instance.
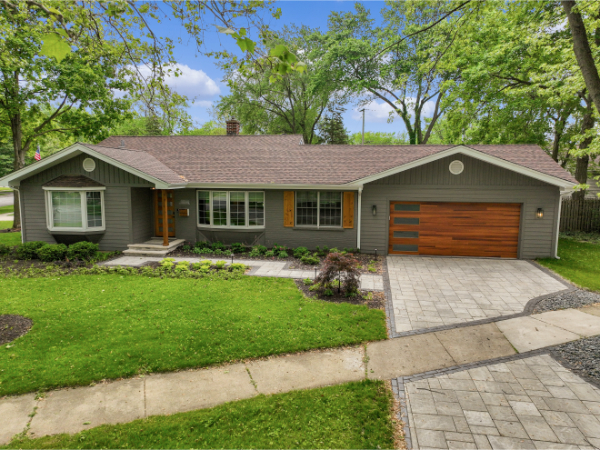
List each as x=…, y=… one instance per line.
x=374, y=210
x=540, y=213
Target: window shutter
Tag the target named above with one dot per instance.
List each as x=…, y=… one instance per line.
x=288, y=208
x=348, y=209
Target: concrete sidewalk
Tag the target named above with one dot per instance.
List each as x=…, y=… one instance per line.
x=76, y=409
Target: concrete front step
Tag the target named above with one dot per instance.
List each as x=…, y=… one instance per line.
x=153, y=247
x=143, y=252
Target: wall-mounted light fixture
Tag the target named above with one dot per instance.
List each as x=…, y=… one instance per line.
x=539, y=213
x=374, y=210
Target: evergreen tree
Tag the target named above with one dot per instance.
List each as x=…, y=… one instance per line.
x=331, y=129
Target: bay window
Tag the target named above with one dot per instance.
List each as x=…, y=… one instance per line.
x=231, y=209
x=75, y=210
x=319, y=208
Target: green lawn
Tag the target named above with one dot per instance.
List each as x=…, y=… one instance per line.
x=579, y=262
x=92, y=327
x=7, y=209
x=9, y=238
x=354, y=415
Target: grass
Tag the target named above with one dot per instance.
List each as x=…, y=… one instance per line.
x=5, y=189
x=353, y=415
x=93, y=327
x=9, y=238
x=7, y=209
x=579, y=262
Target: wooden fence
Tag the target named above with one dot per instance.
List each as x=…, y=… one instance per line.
x=580, y=215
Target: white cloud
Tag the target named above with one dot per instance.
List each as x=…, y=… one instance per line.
x=380, y=112
x=190, y=82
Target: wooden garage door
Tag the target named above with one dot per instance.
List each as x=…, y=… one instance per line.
x=454, y=229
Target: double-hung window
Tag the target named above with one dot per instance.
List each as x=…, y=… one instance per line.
x=319, y=209
x=231, y=209
x=75, y=210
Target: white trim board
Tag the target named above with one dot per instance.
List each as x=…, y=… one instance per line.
x=474, y=154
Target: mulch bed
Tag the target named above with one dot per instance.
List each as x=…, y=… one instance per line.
x=12, y=327
x=582, y=357
x=377, y=302
x=571, y=299
x=295, y=264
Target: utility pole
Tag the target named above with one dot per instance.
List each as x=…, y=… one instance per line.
x=363, y=129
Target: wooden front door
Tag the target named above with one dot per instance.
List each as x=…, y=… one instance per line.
x=454, y=229
x=158, y=212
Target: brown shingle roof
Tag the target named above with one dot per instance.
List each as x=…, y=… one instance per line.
x=73, y=181
x=282, y=160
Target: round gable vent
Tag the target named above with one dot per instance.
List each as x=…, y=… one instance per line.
x=456, y=167
x=89, y=164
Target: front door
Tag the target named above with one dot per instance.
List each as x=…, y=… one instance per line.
x=159, y=220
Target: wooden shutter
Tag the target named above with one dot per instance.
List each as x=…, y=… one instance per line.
x=288, y=209
x=348, y=209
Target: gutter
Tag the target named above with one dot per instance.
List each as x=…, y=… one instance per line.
x=360, y=189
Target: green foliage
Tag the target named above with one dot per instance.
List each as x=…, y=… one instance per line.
x=238, y=248
x=379, y=138
x=322, y=251
x=282, y=254
x=353, y=415
x=311, y=260
x=372, y=266
x=307, y=282
x=270, y=254
x=331, y=128
x=9, y=238
x=220, y=264
x=299, y=252
x=210, y=128
x=120, y=322
x=52, y=252
x=260, y=248
x=28, y=250
x=82, y=251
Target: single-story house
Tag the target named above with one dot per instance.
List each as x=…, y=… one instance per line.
x=452, y=200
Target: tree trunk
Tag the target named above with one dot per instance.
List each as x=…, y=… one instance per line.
x=581, y=167
x=19, y=161
x=583, y=52
x=559, y=128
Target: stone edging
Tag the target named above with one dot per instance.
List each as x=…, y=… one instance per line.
x=527, y=310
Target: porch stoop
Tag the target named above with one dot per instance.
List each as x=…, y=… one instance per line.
x=153, y=247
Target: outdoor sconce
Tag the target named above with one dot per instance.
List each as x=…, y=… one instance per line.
x=374, y=210
x=540, y=213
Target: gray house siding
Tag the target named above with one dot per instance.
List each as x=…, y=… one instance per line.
x=142, y=215
x=480, y=182
x=117, y=201
x=273, y=233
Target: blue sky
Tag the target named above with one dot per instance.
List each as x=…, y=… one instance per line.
x=201, y=78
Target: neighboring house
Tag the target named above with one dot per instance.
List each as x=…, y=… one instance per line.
x=482, y=200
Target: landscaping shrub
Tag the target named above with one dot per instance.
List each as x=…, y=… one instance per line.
x=261, y=249
x=238, y=248
x=254, y=253
x=311, y=260
x=202, y=244
x=220, y=264
x=279, y=248
x=322, y=251
x=342, y=266
x=300, y=252
x=83, y=251
x=270, y=254
x=351, y=250
x=202, y=251
x=28, y=250
x=52, y=252
x=218, y=246
x=237, y=267
x=282, y=254
x=4, y=249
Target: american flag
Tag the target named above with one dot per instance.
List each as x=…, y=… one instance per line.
x=38, y=155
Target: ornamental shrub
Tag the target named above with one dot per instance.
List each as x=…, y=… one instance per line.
x=4, y=249
x=28, y=250
x=279, y=248
x=322, y=251
x=83, y=251
x=282, y=254
x=270, y=254
x=310, y=259
x=52, y=252
x=300, y=252
x=337, y=266
x=202, y=244
x=238, y=248
x=261, y=248
x=218, y=246
x=237, y=267
x=220, y=264
x=254, y=253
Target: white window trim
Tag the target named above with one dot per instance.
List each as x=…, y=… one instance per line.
x=84, y=218
x=318, y=225
x=229, y=226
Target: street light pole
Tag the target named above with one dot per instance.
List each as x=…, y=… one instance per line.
x=363, y=128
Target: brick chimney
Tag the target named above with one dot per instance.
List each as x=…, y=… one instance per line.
x=233, y=127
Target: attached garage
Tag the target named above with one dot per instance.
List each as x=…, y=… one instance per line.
x=454, y=229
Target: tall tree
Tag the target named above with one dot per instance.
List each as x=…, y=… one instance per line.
x=267, y=104
x=331, y=128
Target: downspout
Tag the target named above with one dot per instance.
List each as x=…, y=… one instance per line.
x=560, y=197
x=20, y=211
x=360, y=189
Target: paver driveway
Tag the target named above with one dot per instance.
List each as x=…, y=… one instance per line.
x=532, y=403
x=432, y=292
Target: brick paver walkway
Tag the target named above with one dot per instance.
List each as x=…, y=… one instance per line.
x=433, y=292
x=259, y=269
x=528, y=403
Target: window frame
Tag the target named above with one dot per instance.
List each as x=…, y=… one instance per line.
x=228, y=225
x=84, y=212
x=318, y=225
